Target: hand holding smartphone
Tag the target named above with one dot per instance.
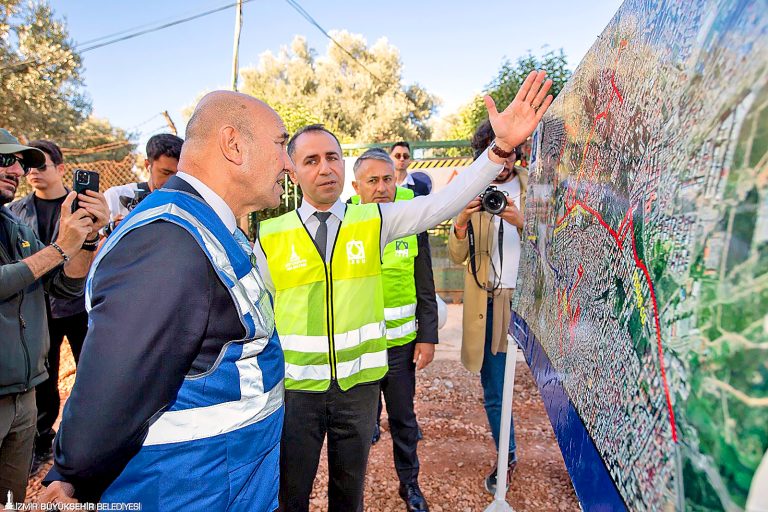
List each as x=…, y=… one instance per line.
x=84, y=180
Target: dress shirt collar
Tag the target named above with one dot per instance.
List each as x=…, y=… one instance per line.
x=306, y=210
x=408, y=181
x=221, y=208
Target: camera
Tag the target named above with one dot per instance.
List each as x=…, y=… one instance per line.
x=493, y=200
x=129, y=203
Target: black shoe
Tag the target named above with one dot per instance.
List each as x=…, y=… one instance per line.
x=419, y=433
x=490, y=480
x=376, y=434
x=414, y=500
x=39, y=459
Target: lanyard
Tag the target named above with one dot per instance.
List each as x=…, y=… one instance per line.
x=472, y=255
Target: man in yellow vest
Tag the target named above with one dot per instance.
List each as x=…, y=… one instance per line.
x=323, y=264
x=410, y=311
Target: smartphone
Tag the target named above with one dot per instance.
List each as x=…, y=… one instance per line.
x=84, y=180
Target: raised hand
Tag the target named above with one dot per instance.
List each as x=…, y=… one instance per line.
x=520, y=118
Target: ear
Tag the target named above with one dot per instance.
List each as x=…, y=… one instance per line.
x=292, y=175
x=231, y=145
x=354, y=185
x=147, y=163
x=61, y=170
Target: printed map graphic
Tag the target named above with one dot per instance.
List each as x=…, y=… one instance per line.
x=644, y=276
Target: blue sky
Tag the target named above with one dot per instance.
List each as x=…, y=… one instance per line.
x=451, y=48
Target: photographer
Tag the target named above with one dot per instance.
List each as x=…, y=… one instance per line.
x=162, y=160
x=28, y=269
x=486, y=235
x=41, y=210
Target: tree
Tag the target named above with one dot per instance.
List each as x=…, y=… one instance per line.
x=97, y=139
x=503, y=88
x=40, y=73
x=365, y=104
x=41, y=86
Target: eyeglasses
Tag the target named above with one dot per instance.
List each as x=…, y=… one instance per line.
x=7, y=160
x=401, y=156
x=42, y=168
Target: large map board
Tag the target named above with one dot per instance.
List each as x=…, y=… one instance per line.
x=642, y=301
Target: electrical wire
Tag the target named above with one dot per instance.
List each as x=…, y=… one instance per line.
x=80, y=49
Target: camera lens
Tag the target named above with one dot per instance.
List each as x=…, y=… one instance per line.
x=494, y=201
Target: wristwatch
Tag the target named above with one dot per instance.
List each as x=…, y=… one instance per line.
x=500, y=152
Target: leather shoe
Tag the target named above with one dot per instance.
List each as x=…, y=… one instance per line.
x=376, y=434
x=414, y=500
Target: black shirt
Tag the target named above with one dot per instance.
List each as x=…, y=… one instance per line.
x=48, y=212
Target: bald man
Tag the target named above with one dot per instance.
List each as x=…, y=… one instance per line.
x=178, y=402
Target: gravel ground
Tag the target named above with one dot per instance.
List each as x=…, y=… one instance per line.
x=457, y=450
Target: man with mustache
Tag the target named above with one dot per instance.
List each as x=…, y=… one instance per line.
x=409, y=294
x=40, y=210
x=324, y=260
x=29, y=268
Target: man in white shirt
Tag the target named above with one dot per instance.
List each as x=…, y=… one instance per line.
x=420, y=183
x=163, y=151
x=181, y=359
x=319, y=398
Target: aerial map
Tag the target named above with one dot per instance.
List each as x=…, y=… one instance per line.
x=644, y=276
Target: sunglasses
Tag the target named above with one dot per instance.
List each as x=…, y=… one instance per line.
x=10, y=159
x=401, y=156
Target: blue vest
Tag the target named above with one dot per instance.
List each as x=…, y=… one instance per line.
x=216, y=448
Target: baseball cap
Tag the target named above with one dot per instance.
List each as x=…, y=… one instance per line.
x=9, y=144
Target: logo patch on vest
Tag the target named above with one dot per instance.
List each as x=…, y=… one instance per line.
x=355, y=252
x=401, y=248
x=295, y=262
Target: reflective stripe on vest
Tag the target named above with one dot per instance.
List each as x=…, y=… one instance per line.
x=210, y=404
x=330, y=317
x=399, y=283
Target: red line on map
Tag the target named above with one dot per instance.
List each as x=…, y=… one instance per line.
x=625, y=227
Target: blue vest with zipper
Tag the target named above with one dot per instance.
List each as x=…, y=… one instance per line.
x=216, y=448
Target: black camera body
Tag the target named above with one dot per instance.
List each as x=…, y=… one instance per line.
x=493, y=200
x=132, y=202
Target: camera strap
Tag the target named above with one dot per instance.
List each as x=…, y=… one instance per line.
x=473, y=252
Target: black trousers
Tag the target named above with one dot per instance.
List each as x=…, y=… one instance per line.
x=48, y=400
x=398, y=387
x=347, y=417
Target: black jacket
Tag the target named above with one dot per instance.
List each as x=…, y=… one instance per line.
x=24, y=339
x=25, y=210
x=159, y=312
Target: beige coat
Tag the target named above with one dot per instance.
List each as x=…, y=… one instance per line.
x=475, y=298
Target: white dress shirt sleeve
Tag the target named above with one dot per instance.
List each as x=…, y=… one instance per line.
x=405, y=218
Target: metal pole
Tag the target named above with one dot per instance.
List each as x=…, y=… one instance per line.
x=236, y=46
x=499, y=503
x=169, y=121
x=243, y=221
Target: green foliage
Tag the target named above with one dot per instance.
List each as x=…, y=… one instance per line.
x=503, y=89
x=337, y=91
x=93, y=133
x=40, y=77
x=41, y=84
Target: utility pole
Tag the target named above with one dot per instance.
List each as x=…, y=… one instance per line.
x=168, y=120
x=242, y=221
x=236, y=46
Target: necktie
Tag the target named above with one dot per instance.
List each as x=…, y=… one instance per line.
x=321, y=237
x=246, y=245
x=242, y=240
